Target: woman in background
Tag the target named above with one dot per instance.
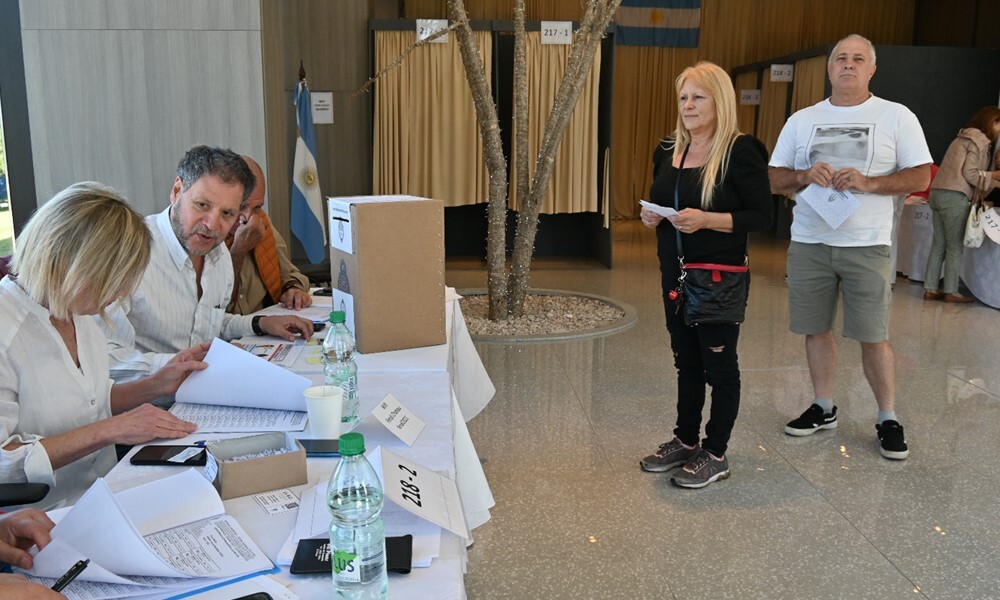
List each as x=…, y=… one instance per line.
x=723, y=194
x=60, y=414
x=966, y=166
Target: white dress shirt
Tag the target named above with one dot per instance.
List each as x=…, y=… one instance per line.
x=165, y=315
x=44, y=393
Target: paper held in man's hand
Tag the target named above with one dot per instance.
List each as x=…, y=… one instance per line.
x=241, y=392
x=167, y=536
x=833, y=207
x=664, y=211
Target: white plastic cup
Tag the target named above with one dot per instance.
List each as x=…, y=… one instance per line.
x=326, y=405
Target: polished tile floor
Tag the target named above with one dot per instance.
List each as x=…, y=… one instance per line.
x=817, y=517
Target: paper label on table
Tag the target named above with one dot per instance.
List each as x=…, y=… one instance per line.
x=185, y=454
x=398, y=419
x=277, y=501
x=832, y=206
x=664, y=211
x=420, y=490
x=211, y=467
x=557, y=32
x=991, y=224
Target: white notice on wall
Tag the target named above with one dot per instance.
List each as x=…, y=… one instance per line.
x=782, y=72
x=322, y=107
x=557, y=32
x=428, y=27
x=750, y=97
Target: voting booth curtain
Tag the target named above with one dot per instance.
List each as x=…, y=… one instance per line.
x=573, y=186
x=427, y=140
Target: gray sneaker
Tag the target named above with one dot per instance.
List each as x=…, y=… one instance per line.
x=670, y=455
x=701, y=470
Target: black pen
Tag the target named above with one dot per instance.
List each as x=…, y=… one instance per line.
x=70, y=575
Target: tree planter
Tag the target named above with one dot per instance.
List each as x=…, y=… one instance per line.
x=549, y=315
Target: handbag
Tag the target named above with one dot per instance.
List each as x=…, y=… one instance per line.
x=974, y=233
x=709, y=292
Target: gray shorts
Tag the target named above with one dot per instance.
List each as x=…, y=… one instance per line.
x=817, y=274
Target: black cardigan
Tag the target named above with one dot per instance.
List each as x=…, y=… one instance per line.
x=745, y=193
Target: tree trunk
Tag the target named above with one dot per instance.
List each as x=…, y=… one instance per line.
x=496, y=165
x=585, y=41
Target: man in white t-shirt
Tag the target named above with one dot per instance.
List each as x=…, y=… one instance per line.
x=873, y=150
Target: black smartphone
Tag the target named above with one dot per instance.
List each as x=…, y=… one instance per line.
x=321, y=447
x=171, y=456
x=256, y=596
x=319, y=326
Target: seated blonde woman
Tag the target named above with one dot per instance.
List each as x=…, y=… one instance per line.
x=60, y=414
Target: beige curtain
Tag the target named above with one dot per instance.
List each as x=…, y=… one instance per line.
x=773, y=98
x=810, y=77
x=645, y=111
x=746, y=113
x=573, y=187
x=427, y=139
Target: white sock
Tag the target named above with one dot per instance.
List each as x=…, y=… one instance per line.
x=886, y=415
x=825, y=403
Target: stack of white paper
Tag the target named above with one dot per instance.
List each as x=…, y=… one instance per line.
x=241, y=392
x=156, y=540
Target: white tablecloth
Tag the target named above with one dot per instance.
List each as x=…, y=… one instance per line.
x=445, y=386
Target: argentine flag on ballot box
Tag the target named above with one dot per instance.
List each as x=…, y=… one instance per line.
x=667, y=23
x=307, y=203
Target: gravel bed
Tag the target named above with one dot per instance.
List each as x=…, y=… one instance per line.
x=543, y=314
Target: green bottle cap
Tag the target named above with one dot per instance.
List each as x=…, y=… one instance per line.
x=352, y=444
x=338, y=316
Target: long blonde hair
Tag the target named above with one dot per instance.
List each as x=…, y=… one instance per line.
x=86, y=242
x=714, y=80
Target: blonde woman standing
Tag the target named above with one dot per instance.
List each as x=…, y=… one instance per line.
x=719, y=176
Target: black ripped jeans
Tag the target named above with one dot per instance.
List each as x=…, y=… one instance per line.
x=705, y=354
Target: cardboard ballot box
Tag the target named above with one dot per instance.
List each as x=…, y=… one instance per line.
x=387, y=263
x=253, y=475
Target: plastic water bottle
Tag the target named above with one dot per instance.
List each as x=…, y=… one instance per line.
x=339, y=368
x=357, y=535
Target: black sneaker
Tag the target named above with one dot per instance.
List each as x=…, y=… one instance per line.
x=812, y=421
x=892, y=442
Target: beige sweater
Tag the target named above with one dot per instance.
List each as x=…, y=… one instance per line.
x=967, y=155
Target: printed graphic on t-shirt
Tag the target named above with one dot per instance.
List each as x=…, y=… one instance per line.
x=842, y=146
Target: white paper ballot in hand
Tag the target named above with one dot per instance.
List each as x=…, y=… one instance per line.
x=664, y=211
x=832, y=206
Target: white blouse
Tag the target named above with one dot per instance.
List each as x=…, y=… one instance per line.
x=44, y=393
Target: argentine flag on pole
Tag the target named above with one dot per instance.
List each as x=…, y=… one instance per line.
x=307, y=203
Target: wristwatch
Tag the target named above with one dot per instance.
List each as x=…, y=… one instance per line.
x=289, y=285
x=255, y=325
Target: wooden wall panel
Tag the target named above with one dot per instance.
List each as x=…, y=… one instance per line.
x=331, y=41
